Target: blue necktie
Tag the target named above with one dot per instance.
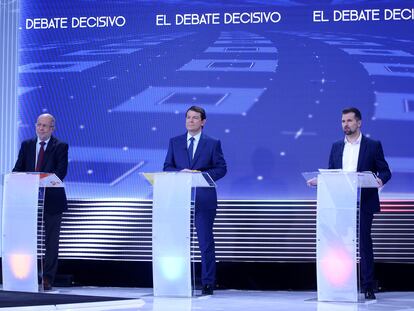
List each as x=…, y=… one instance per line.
x=191, y=149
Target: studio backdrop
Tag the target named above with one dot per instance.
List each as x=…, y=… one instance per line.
x=273, y=77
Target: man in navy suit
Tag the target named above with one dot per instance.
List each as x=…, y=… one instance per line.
x=358, y=153
x=195, y=151
x=52, y=159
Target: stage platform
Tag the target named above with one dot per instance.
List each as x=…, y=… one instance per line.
x=129, y=299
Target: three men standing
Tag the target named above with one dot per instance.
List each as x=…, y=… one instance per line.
x=195, y=151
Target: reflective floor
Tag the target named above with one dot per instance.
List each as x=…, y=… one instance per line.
x=229, y=300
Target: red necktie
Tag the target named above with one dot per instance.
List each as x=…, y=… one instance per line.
x=40, y=156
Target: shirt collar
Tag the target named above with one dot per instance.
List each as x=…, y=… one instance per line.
x=46, y=141
x=196, y=137
x=357, y=142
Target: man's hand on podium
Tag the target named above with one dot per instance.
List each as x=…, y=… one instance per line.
x=313, y=182
x=379, y=181
x=187, y=170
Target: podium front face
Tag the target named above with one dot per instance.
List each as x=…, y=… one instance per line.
x=337, y=197
x=171, y=235
x=19, y=227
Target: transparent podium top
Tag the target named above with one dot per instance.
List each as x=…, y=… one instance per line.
x=365, y=179
x=199, y=179
x=46, y=180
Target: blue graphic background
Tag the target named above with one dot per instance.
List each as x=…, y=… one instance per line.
x=273, y=92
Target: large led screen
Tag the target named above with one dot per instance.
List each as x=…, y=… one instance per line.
x=273, y=77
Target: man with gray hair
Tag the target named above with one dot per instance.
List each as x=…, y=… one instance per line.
x=45, y=153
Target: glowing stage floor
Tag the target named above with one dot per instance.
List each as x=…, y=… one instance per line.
x=228, y=300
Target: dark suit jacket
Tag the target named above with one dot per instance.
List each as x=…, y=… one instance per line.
x=371, y=158
x=55, y=161
x=207, y=158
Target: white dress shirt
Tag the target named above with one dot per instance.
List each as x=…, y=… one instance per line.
x=196, y=140
x=350, y=155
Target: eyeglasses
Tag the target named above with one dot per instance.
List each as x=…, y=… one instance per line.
x=42, y=125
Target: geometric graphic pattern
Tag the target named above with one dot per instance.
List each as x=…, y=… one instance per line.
x=395, y=106
x=244, y=49
x=390, y=69
x=77, y=66
x=176, y=99
x=245, y=65
x=273, y=93
x=103, y=52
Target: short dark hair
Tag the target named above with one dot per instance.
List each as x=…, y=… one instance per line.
x=356, y=111
x=200, y=110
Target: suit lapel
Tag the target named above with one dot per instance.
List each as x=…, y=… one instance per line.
x=184, y=150
x=48, y=152
x=341, y=154
x=361, y=155
x=32, y=155
x=199, y=150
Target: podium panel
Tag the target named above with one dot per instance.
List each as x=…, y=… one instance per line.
x=19, y=222
x=337, y=275
x=173, y=200
x=20, y=228
x=337, y=229
x=171, y=235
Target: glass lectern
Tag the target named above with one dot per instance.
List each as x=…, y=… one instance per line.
x=23, y=197
x=337, y=227
x=173, y=203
